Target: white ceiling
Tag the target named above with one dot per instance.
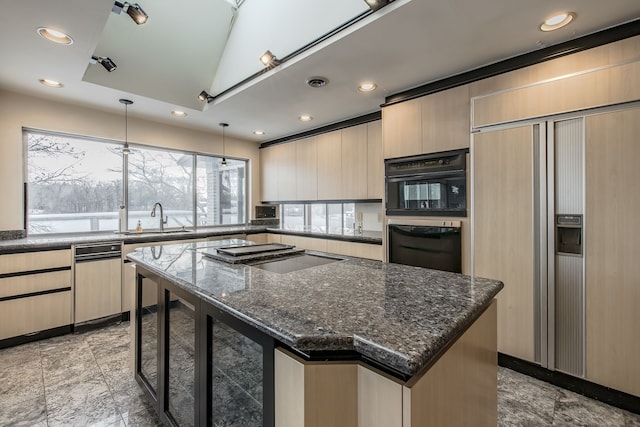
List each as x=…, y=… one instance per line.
x=406, y=44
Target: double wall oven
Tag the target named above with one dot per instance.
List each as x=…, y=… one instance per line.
x=418, y=187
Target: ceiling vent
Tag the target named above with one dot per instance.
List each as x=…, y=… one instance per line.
x=317, y=81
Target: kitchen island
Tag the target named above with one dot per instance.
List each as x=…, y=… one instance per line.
x=346, y=341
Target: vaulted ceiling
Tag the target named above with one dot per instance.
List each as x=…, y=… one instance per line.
x=214, y=45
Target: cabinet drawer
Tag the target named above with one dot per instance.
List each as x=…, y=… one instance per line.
x=27, y=315
x=20, y=285
x=14, y=263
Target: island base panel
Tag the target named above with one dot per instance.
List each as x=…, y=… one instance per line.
x=460, y=388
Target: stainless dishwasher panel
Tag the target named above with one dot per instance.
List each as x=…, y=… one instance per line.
x=98, y=281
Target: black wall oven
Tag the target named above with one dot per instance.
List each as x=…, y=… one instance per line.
x=427, y=185
x=432, y=246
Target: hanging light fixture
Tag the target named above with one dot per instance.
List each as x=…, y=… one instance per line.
x=224, y=160
x=126, y=150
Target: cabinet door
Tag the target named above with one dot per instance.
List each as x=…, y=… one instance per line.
x=98, y=289
x=306, y=169
x=375, y=162
x=612, y=252
x=402, y=129
x=503, y=231
x=286, y=160
x=445, y=120
x=329, y=166
x=354, y=162
x=269, y=174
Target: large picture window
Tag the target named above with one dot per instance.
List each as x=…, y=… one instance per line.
x=76, y=184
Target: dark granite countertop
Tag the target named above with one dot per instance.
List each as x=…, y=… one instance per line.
x=37, y=243
x=60, y=241
x=367, y=236
x=398, y=316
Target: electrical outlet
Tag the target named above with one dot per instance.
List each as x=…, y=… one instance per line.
x=359, y=216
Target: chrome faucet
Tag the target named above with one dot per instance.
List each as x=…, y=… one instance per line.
x=163, y=219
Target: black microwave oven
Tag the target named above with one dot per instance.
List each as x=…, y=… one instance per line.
x=427, y=185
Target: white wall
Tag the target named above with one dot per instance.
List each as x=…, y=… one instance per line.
x=18, y=111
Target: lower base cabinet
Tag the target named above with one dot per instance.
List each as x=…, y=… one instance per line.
x=459, y=389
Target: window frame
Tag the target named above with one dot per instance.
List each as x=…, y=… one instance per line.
x=125, y=177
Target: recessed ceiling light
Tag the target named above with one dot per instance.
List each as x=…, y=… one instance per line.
x=55, y=35
x=258, y=132
x=557, y=21
x=179, y=113
x=305, y=118
x=50, y=83
x=367, y=86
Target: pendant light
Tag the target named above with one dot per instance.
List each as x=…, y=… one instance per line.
x=126, y=103
x=224, y=160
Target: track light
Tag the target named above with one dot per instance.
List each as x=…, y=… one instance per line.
x=204, y=96
x=377, y=4
x=268, y=59
x=133, y=10
x=105, y=61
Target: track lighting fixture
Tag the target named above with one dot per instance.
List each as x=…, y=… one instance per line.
x=204, y=96
x=133, y=10
x=224, y=160
x=105, y=61
x=268, y=59
x=377, y=4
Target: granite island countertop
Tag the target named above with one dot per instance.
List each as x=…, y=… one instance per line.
x=398, y=316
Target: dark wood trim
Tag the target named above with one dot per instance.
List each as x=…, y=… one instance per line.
x=613, y=397
x=42, y=335
x=367, y=118
x=35, y=294
x=580, y=44
x=30, y=272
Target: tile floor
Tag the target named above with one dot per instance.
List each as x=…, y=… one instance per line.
x=83, y=379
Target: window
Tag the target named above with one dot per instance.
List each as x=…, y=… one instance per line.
x=76, y=184
x=332, y=218
x=160, y=176
x=220, y=191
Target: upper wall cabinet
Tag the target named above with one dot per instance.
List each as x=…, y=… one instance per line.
x=375, y=162
x=306, y=169
x=446, y=120
x=354, y=162
x=402, y=129
x=432, y=123
x=330, y=166
x=345, y=164
x=278, y=164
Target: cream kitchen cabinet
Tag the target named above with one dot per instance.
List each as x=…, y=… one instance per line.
x=504, y=231
x=98, y=291
x=36, y=292
x=375, y=161
x=430, y=124
x=446, y=121
x=612, y=252
x=402, y=129
x=354, y=157
x=306, y=169
x=330, y=166
x=278, y=165
x=458, y=389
